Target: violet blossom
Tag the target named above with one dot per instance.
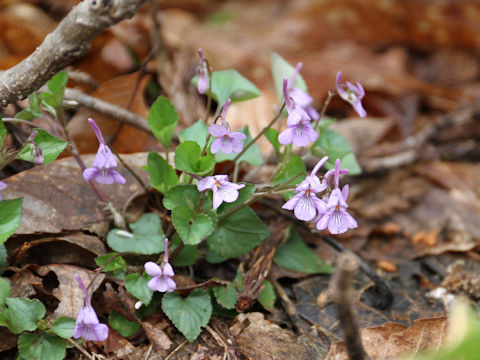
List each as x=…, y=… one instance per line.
x=87, y=325
x=305, y=204
x=336, y=218
x=202, y=74
x=162, y=275
x=3, y=186
x=35, y=149
x=351, y=94
x=299, y=131
x=225, y=140
x=300, y=97
x=223, y=190
x=102, y=169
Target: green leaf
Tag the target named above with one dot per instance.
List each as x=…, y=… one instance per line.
x=188, y=255
x=33, y=109
x=226, y=296
x=188, y=158
x=162, y=119
x=116, y=264
x=123, y=326
x=41, y=347
x=162, y=175
x=197, y=132
x=294, y=167
x=187, y=195
x=231, y=84
x=333, y=144
x=252, y=156
x=137, y=286
x=213, y=258
x=282, y=69
x=151, y=308
x=188, y=314
x=64, y=327
x=295, y=255
x=53, y=100
x=267, y=297
x=191, y=228
x=3, y=132
x=147, y=237
x=272, y=137
x=4, y=291
x=238, y=234
x=3, y=257
x=58, y=83
x=10, y=215
x=22, y=314
x=51, y=147
x=244, y=194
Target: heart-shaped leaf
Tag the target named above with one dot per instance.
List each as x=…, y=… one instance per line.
x=22, y=314
x=51, y=147
x=191, y=228
x=162, y=175
x=64, y=327
x=188, y=314
x=226, y=296
x=41, y=347
x=188, y=158
x=162, y=119
x=137, y=286
x=147, y=237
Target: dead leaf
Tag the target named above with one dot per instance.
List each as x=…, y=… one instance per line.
x=393, y=340
x=256, y=338
x=57, y=198
x=68, y=291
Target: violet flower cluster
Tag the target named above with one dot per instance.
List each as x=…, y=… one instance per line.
x=162, y=275
x=102, y=169
x=223, y=190
x=87, y=325
x=329, y=211
x=225, y=140
x=300, y=114
x=351, y=94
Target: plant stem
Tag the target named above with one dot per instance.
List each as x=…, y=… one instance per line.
x=270, y=124
x=324, y=108
x=209, y=96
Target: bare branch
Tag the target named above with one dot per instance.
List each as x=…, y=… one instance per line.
x=67, y=42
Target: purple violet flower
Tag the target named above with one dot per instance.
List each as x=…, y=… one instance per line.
x=336, y=218
x=299, y=131
x=3, y=186
x=352, y=94
x=87, y=325
x=162, y=275
x=305, y=204
x=102, y=169
x=202, y=74
x=336, y=172
x=300, y=97
x=223, y=190
x=225, y=140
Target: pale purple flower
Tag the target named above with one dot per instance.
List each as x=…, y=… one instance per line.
x=336, y=218
x=352, y=94
x=162, y=275
x=3, y=186
x=300, y=97
x=336, y=172
x=35, y=150
x=299, y=131
x=305, y=204
x=87, y=325
x=225, y=140
x=102, y=169
x=223, y=190
x=202, y=74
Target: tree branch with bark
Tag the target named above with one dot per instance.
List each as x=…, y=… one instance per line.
x=70, y=40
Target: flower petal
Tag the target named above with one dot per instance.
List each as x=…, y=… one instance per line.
x=152, y=269
x=290, y=204
x=286, y=136
x=206, y=183
x=90, y=173
x=217, y=130
x=158, y=283
x=119, y=179
x=305, y=209
x=226, y=145
x=228, y=193
x=216, y=145
x=168, y=270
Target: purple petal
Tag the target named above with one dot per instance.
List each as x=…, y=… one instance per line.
x=345, y=190
x=286, y=136
x=305, y=209
x=105, y=178
x=217, y=130
x=96, y=130
x=357, y=106
x=288, y=101
x=319, y=165
x=119, y=179
x=90, y=173
x=171, y=285
x=216, y=144
x=320, y=205
x=323, y=221
x=217, y=198
x=226, y=145
x=104, y=158
x=158, y=283
x=152, y=269
x=301, y=98
x=225, y=108
x=3, y=186
x=338, y=224
x=340, y=90
x=168, y=270
x=290, y=204
x=237, y=145
x=312, y=113
x=206, y=183
x=228, y=193
x=221, y=178
x=237, y=135
x=202, y=84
